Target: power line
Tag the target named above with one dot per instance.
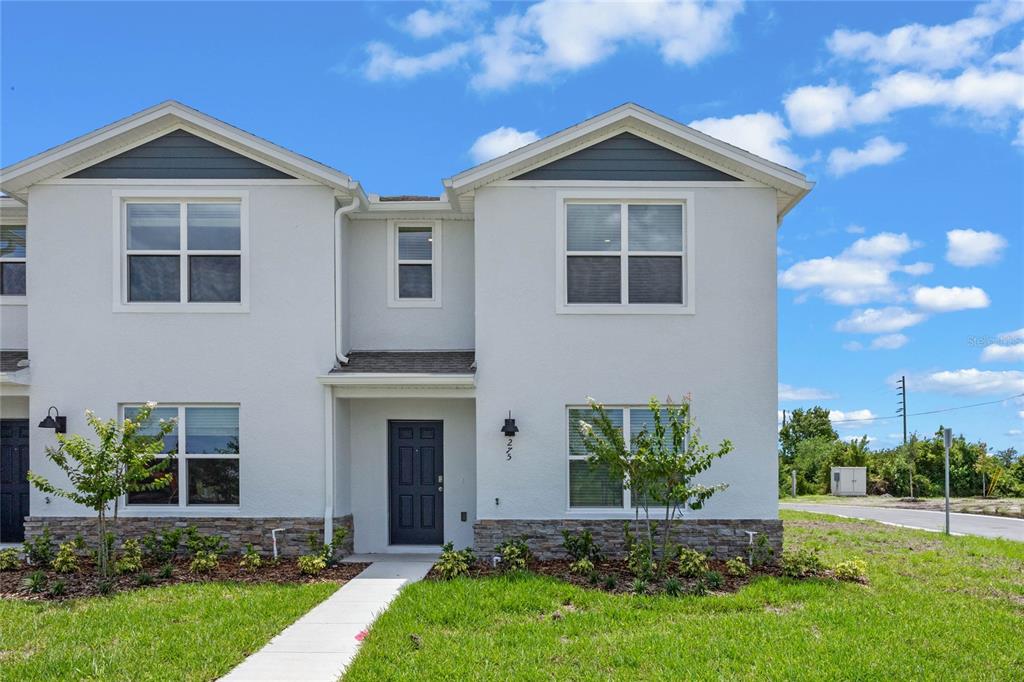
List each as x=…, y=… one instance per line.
x=918, y=414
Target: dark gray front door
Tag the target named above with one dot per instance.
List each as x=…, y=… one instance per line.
x=13, y=483
x=415, y=482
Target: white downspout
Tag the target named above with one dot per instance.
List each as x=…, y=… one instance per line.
x=339, y=352
x=340, y=357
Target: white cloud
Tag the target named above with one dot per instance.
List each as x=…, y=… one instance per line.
x=970, y=382
x=878, y=151
x=998, y=353
x=450, y=15
x=889, y=342
x=787, y=392
x=1021, y=414
x=859, y=274
x=967, y=248
x=1015, y=433
x=840, y=416
x=551, y=38
x=853, y=346
x=1010, y=337
x=500, y=141
x=930, y=47
x=385, y=63
x=855, y=229
x=948, y=299
x=762, y=133
x=819, y=109
x=879, y=320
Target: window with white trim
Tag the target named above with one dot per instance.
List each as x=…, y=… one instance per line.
x=182, y=252
x=625, y=253
x=205, y=466
x=12, y=260
x=591, y=486
x=414, y=262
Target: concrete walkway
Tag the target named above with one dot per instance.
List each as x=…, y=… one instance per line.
x=320, y=645
x=959, y=524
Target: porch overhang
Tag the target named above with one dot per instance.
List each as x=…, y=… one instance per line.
x=392, y=385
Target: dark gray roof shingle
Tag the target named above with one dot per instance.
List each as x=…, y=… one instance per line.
x=10, y=359
x=408, y=362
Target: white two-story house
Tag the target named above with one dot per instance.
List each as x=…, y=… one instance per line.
x=340, y=358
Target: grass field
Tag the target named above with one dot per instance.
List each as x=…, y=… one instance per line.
x=935, y=608
x=180, y=632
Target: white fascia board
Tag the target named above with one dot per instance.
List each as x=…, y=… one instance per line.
x=167, y=116
x=398, y=379
x=13, y=380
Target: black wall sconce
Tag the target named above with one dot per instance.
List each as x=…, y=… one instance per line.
x=509, y=429
x=54, y=421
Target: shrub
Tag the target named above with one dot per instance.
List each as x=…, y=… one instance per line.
x=582, y=566
x=802, y=563
x=515, y=554
x=159, y=548
x=761, y=551
x=639, y=586
x=66, y=560
x=673, y=587
x=166, y=571
x=454, y=563
x=57, y=589
x=35, y=581
x=251, y=559
x=312, y=564
x=9, y=560
x=330, y=549
x=130, y=559
x=582, y=546
x=144, y=579
x=854, y=570
x=640, y=560
x=692, y=563
x=204, y=562
x=39, y=551
x=737, y=567
x=105, y=586
x=195, y=542
x=610, y=582
x=699, y=588
x=713, y=580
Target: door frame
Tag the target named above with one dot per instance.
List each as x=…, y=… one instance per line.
x=387, y=491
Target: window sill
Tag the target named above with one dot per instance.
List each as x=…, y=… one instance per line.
x=181, y=308
x=171, y=510
x=415, y=303
x=623, y=309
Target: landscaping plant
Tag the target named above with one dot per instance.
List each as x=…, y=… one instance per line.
x=582, y=566
x=204, y=561
x=581, y=546
x=39, y=550
x=659, y=465
x=159, y=548
x=454, y=563
x=130, y=559
x=66, y=560
x=515, y=554
x=251, y=559
x=854, y=570
x=737, y=567
x=35, y=581
x=312, y=564
x=802, y=563
x=692, y=564
x=9, y=560
x=123, y=460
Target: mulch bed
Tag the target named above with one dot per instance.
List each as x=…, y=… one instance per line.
x=624, y=579
x=85, y=582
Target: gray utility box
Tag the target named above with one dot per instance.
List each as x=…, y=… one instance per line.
x=849, y=481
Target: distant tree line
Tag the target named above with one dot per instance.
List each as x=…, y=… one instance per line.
x=809, y=444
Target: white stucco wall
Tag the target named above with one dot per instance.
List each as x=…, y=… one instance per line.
x=368, y=443
x=14, y=326
x=375, y=326
x=534, y=362
x=86, y=356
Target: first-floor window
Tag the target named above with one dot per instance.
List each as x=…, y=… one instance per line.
x=206, y=451
x=591, y=486
x=12, y=260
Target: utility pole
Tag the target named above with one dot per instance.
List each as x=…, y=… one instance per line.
x=947, y=441
x=901, y=387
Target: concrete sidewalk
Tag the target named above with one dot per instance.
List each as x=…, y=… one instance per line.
x=319, y=646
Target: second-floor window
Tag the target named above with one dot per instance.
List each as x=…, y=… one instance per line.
x=12, y=260
x=414, y=262
x=183, y=254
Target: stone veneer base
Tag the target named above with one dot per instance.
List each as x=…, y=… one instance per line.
x=722, y=538
x=237, y=531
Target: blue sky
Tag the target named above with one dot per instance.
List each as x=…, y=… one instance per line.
x=905, y=259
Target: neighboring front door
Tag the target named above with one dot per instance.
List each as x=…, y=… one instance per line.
x=13, y=482
x=415, y=482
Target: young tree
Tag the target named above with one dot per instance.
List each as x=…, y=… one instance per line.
x=660, y=465
x=124, y=460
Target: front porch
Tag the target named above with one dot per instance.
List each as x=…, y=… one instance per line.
x=401, y=449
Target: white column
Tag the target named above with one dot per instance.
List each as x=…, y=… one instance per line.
x=328, y=463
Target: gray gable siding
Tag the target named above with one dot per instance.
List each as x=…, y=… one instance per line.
x=180, y=155
x=625, y=157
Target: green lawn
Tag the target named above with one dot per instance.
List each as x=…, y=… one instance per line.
x=182, y=632
x=936, y=608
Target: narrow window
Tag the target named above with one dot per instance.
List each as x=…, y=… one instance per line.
x=415, y=262
x=183, y=252
x=12, y=260
x=590, y=485
x=594, y=253
x=655, y=253
x=167, y=495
